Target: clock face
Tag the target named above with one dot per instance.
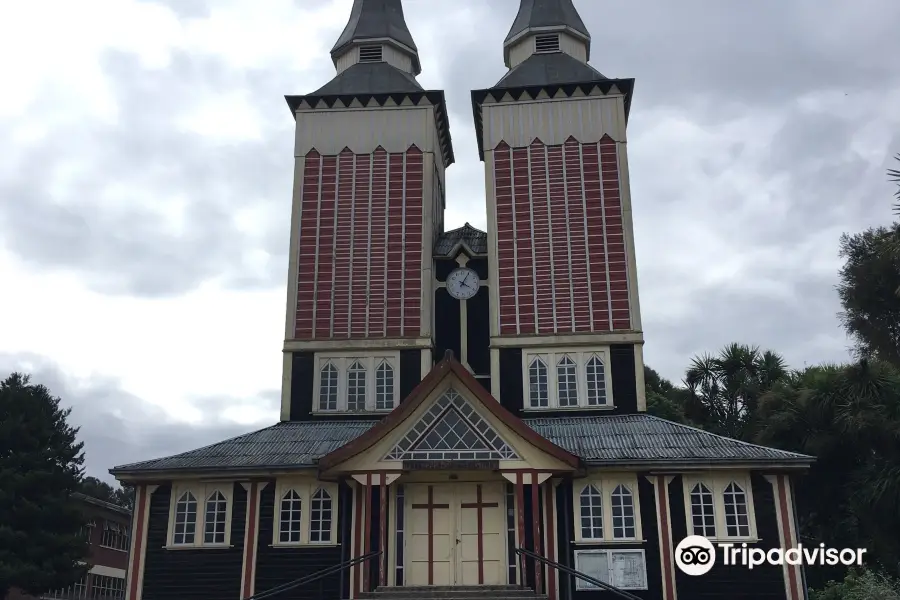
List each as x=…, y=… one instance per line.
x=462, y=283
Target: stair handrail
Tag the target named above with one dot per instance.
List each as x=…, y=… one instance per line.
x=523, y=552
x=290, y=585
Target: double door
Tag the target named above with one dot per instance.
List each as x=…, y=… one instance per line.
x=455, y=534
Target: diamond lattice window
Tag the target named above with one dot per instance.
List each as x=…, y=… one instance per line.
x=452, y=430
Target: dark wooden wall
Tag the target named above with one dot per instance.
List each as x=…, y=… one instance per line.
x=201, y=574
x=732, y=582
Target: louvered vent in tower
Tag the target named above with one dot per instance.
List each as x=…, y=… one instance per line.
x=546, y=43
x=370, y=54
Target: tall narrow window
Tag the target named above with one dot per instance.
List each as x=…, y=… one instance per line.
x=214, y=529
x=320, y=517
x=591, y=513
x=328, y=388
x=737, y=521
x=596, y=382
x=289, y=528
x=538, y=385
x=185, y=519
x=567, y=382
x=356, y=387
x=703, y=519
x=622, y=513
x=384, y=387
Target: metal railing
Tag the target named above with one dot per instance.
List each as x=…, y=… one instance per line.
x=524, y=552
x=307, y=579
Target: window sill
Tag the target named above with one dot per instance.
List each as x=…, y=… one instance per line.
x=198, y=547
x=303, y=545
x=632, y=542
x=380, y=411
x=111, y=548
x=735, y=540
x=595, y=589
x=605, y=407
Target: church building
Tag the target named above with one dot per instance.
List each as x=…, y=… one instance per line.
x=462, y=411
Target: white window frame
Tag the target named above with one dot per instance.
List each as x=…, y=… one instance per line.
x=201, y=492
x=551, y=357
x=342, y=361
x=606, y=485
x=581, y=585
x=717, y=482
x=115, y=529
x=116, y=585
x=305, y=488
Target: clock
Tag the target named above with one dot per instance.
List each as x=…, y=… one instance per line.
x=462, y=283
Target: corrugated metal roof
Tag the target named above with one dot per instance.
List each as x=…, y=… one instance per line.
x=596, y=439
x=474, y=238
x=642, y=437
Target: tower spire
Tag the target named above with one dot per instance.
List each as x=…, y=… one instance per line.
x=377, y=22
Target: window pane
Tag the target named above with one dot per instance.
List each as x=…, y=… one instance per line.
x=356, y=387
x=320, y=517
x=214, y=530
x=289, y=526
x=623, y=513
x=591, y=513
x=594, y=564
x=185, y=519
x=384, y=387
x=566, y=382
x=596, y=382
x=737, y=521
x=328, y=386
x=538, y=384
x=702, y=511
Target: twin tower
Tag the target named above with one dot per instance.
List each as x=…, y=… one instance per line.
x=378, y=290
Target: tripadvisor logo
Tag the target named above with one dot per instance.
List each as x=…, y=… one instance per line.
x=696, y=555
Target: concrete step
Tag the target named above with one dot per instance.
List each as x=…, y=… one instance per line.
x=453, y=592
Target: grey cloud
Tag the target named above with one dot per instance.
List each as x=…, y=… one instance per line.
x=119, y=428
x=190, y=9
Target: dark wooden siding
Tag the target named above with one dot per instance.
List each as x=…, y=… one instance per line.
x=302, y=379
x=567, y=522
x=624, y=383
x=480, y=266
x=277, y=566
x=732, y=582
x=478, y=332
x=201, y=574
x=511, y=379
x=447, y=333
x=410, y=371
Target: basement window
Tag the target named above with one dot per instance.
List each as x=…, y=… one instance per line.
x=546, y=43
x=370, y=54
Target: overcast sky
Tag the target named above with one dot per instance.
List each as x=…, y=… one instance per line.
x=146, y=164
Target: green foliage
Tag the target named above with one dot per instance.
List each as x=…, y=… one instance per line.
x=848, y=417
x=869, y=281
x=724, y=389
x=894, y=175
x=664, y=400
x=860, y=585
x=40, y=467
x=91, y=486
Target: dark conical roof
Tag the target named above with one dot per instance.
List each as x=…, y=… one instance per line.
x=546, y=13
x=374, y=19
x=557, y=68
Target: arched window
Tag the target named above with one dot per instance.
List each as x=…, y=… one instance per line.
x=289, y=522
x=567, y=382
x=591, y=513
x=596, y=382
x=384, y=387
x=185, y=519
x=737, y=520
x=703, y=519
x=320, y=517
x=328, y=388
x=214, y=526
x=356, y=387
x=623, y=524
x=538, y=384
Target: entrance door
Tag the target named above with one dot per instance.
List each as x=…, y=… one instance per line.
x=456, y=534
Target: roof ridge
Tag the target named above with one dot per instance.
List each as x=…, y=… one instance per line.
x=723, y=437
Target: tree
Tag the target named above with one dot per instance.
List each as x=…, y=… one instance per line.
x=724, y=389
x=848, y=417
x=868, y=283
x=41, y=546
x=91, y=486
x=860, y=585
x=664, y=400
x=894, y=174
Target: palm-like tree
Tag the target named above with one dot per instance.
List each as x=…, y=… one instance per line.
x=724, y=389
x=848, y=417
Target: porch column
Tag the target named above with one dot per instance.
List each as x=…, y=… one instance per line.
x=536, y=533
x=520, y=523
x=787, y=533
x=140, y=518
x=550, y=528
x=363, y=527
x=251, y=537
x=666, y=547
